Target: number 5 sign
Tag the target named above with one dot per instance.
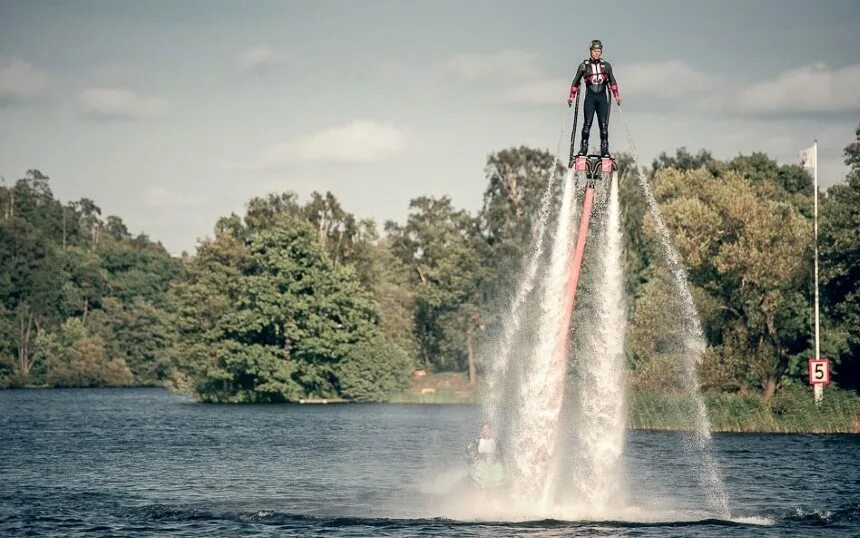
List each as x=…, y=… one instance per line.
x=819, y=371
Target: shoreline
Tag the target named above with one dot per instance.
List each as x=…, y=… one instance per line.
x=729, y=413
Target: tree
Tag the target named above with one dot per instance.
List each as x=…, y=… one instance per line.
x=749, y=251
x=74, y=358
x=390, y=283
x=839, y=242
x=685, y=161
x=267, y=317
x=141, y=333
x=516, y=181
x=56, y=267
x=85, y=282
x=30, y=286
x=336, y=229
x=445, y=251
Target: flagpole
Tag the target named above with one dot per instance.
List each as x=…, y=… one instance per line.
x=819, y=388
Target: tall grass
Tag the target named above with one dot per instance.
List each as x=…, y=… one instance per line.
x=792, y=410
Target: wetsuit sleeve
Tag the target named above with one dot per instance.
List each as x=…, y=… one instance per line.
x=574, y=86
x=578, y=76
x=613, y=84
x=611, y=74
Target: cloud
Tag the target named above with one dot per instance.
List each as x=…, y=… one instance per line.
x=258, y=58
x=114, y=75
x=812, y=88
x=538, y=92
x=20, y=81
x=359, y=141
x=120, y=104
x=509, y=65
x=164, y=197
x=670, y=79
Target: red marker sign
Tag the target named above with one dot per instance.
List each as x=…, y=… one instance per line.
x=819, y=371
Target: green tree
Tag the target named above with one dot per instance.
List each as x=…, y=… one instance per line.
x=269, y=318
x=445, y=251
x=141, y=333
x=839, y=241
x=30, y=288
x=74, y=358
x=57, y=265
x=748, y=250
x=336, y=229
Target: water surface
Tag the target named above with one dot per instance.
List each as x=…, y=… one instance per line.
x=137, y=462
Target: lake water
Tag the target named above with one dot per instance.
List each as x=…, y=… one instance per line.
x=137, y=462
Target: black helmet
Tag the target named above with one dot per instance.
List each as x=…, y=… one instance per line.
x=596, y=44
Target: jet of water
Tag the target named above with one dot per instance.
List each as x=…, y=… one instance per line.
x=541, y=389
x=601, y=378
x=695, y=345
x=499, y=362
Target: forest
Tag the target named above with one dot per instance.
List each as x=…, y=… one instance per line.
x=301, y=299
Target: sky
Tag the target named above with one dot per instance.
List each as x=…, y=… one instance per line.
x=172, y=114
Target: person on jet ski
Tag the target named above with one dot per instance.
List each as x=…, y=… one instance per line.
x=486, y=447
x=486, y=468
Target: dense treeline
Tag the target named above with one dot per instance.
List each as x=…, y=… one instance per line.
x=280, y=305
x=82, y=301
x=744, y=229
x=298, y=300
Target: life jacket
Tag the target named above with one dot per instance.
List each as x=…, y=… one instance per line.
x=486, y=447
x=595, y=75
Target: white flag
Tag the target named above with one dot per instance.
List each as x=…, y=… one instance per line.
x=809, y=157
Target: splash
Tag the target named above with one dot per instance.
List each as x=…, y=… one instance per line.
x=601, y=424
x=499, y=364
x=541, y=389
x=564, y=410
x=694, y=343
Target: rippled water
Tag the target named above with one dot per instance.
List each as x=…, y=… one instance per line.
x=141, y=462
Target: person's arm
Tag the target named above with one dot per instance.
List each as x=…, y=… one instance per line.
x=574, y=86
x=471, y=451
x=613, y=84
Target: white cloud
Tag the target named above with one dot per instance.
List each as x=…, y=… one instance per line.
x=113, y=75
x=538, y=92
x=164, y=197
x=359, y=141
x=258, y=58
x=670, y=79
x=20, y=81
x=121, y=104
x=502, y=65
x=812, y=88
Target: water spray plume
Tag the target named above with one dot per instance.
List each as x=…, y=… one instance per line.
x=694, y=343
x=541, y=391
x=573, y=443
x=498, y=367
x=602, y=424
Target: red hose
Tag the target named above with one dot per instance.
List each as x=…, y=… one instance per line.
x=573, y=278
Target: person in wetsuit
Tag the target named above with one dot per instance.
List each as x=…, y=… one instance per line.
x=599, y=81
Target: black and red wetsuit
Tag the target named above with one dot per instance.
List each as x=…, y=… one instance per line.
x=599, y=81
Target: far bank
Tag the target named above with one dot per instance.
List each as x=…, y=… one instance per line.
x=791, y=410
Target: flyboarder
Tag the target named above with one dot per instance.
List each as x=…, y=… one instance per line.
x=599, y=81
